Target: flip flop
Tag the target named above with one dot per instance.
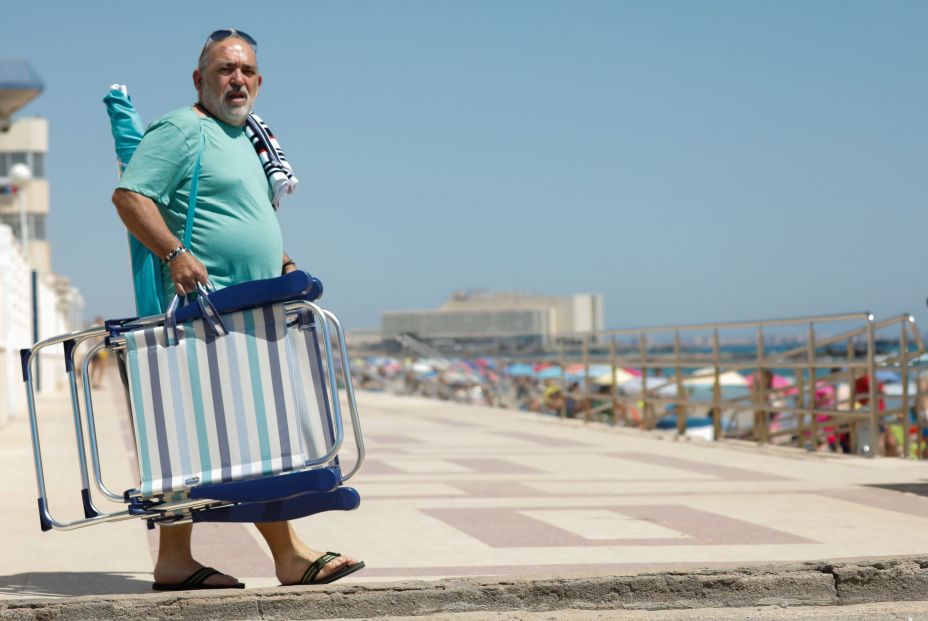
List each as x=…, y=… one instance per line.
x=195, y=582
x=322, y=561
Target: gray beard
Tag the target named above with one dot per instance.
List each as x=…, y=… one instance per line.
x=227, y=114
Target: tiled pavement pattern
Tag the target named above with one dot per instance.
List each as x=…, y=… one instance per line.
x=453, y=490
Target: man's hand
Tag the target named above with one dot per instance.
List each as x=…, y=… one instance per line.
x=186, y=272
x=288, y=265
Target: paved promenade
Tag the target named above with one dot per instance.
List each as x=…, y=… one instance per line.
x=452, y=490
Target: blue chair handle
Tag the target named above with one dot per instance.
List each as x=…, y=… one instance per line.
x=296, y=285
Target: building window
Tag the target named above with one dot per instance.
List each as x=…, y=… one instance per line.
x=34, y=160
x=38, y=165
x=35, y=222
x=36, y=226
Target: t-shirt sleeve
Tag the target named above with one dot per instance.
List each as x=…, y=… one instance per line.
x=159, y=164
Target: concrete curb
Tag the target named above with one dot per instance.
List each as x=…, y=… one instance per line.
x=812, y=583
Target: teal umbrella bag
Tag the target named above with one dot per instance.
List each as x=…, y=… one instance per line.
x=128, y=130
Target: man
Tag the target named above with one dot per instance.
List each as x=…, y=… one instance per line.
x=236, y=238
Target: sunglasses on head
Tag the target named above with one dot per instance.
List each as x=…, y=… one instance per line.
x=225, y=33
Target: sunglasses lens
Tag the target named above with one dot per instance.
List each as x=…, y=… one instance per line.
x=219, y=35
x=248, y=38
x=225, y=33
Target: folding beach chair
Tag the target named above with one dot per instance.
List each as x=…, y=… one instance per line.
x=234, y=403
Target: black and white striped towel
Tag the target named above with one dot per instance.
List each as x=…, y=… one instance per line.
x=275, y=163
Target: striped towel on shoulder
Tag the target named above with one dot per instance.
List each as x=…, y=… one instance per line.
x=276, y=167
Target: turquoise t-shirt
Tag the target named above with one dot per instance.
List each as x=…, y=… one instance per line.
x=235, y=234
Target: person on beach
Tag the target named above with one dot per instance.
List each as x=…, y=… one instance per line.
x=236, y=238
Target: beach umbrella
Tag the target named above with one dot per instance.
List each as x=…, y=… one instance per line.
x=520, y=369
x=127, y=130
x=552, y=372
x=896, y=389
x=777, y=382
x=574, y=369
x=707, y=378
x=621, y=376
x=580, y=371
x=421, y=368
x=456, y=377
x=888, y=376
x=656, y=386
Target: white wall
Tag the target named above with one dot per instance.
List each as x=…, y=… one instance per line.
x=60, y=311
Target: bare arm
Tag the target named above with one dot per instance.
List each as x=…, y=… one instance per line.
x=144, y=221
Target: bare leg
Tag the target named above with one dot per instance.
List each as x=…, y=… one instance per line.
x=175, y=561
x=292, y=557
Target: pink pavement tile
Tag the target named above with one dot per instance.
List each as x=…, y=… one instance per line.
x=725, y=473
x=710, y=528
x=449, y=422
x=390, y=438
x=379, y=467
x=497, y=489
x=490, y=465
x=888, y=500
x=508, y=527
x=543, y=440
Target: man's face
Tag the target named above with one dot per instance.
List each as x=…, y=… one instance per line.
x=228, y=85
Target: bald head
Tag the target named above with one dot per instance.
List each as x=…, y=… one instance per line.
x=227, y=79
x=210, y=44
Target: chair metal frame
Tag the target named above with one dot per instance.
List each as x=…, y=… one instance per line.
x=318, y=486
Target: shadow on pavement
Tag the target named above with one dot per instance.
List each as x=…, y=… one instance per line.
x=71, y=583
x=919, y=489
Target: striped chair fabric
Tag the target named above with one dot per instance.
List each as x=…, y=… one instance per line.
x=218, y=409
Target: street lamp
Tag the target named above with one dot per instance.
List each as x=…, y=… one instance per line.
x=20, y=176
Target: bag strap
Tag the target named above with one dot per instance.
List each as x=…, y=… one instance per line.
x=194, y=189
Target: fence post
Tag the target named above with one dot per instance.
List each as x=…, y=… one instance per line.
x=904, y=366
x=614, y=388
x=760, y=392
x=586, y=379
x=803, y=402
x=678, y=378
x=563, y=409
x=645, y=403
x=874, y=405
x=813, y=389
x=920, y=442
x=716, y=386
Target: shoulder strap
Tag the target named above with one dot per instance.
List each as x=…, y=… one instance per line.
x=194, y=188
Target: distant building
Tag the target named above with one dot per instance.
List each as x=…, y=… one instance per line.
x=26, y=142
x=481, y=315
x=35, y=303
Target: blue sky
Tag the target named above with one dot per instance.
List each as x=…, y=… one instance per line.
x=691, y=161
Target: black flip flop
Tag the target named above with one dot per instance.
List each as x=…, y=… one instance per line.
x=195, y=582
x=322, y=561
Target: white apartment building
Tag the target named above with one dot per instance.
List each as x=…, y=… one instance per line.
x=34, y=301
x=26, y=142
